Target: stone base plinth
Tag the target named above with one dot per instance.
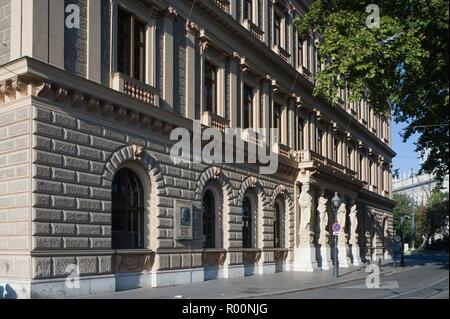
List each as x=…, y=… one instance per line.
x=305, y=259
x=356, y=254
x=325, y=255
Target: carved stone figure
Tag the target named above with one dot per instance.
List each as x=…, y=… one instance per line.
x=354, y=222
x=323, y=215
x=305, y=202
x=342, y=215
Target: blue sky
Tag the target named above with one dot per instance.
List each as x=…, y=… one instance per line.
x=407, y=158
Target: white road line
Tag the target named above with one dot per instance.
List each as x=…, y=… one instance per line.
x=414, y=290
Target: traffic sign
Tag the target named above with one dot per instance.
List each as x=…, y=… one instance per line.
x=336, y=229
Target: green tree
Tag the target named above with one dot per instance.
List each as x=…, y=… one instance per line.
x=402, y=214
x=434, y=218
x=403, y=64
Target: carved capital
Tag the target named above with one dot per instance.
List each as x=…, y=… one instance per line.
x=170, y=13
x=191, y=27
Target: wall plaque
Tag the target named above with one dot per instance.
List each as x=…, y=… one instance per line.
x=183, y=220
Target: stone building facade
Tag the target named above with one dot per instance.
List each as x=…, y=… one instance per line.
x=88, y=190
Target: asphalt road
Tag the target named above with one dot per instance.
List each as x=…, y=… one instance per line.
x=427, y=279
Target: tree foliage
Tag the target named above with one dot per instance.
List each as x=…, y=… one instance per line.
x=403, y=212
x=403, y=64
x=434, y=218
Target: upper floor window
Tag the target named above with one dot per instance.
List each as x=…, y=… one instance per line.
x=336, y=150
x=349, y=157
x=299, y=52
x=131, y=45
x=277, y=121
x=248, y=107
x=319, y=142
x=360, y=167
x=300, y=133
x=248, y=10
x=277, y=30
x=210, y=88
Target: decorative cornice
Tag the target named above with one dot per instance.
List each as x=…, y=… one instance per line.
x=30, y=85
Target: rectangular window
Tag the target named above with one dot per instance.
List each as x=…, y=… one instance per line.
x=300, y=134
x=139, y=50
x=349, y=158
x=319, y=142
x=247, y=111
x=210, y=88
x=131, y=45
x=277, y=122
x=248, y=10
x=299, y=52
x=360, y=169
x=336, y=150
x=277, y=31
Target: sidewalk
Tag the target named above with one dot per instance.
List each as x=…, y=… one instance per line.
x=252, y=286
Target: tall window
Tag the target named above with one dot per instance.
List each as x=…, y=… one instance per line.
x=300, y=134
x=248, y=107
x=210, y=87
x=336, y=150
x=277, y=227
x=277, y=31
x=247, y=223
x=371, y=173
x=319, y=142
x=127, y=211
x=209, y=220
x=349, y=157
x=131, y=49
x=248, y=9
x=360, y=170
x=299, y=52
x=277, y=121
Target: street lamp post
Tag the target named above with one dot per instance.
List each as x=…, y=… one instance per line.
x=336, y=202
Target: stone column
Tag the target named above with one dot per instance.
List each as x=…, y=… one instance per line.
x=192, y=30
x=355, y=250
x=94, y=50
x=324, y=236
x=344, y=260
x=168, y=80
x=305, y=253
x=234, y=102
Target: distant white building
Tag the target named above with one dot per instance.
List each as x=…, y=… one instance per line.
x=417, y=187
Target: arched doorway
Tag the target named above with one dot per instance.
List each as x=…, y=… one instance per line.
x=209, y=220
x=247, y=241
x=127, y=211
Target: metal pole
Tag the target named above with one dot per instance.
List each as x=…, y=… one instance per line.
x=335, y=251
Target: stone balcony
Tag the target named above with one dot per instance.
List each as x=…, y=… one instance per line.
x=223, y=4
x=135, y=88
x=253, y=29
x=320, y=161
x=215, y=121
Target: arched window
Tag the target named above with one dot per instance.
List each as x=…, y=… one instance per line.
x=127, y=211
x=209, y=220
x=247, y=223
x=277, y=226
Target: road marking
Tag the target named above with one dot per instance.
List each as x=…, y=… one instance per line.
x=414, y=290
